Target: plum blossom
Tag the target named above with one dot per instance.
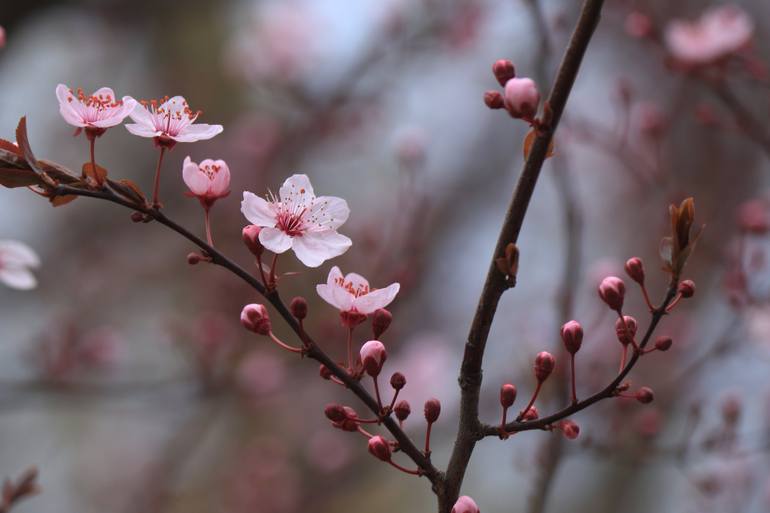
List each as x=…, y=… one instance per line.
x=170, y=122
x=351, y=293
x=299, y=220
x=16, y=261
x=465, y=505
x=207, y=181
x=718, y=33
x=100, y=110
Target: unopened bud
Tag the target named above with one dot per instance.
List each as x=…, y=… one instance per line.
x=137, y=217
x=324, y=372
x=572, y=336
x=432, y=410
x=465, y=505
x=193, y=258
x=298, y=307
x=570, y=429
x=612, y=290
x=620, y=329
x=381, y=320
x=531, y=414
x=507, y=395
x=635, y=270
x=687, y=288
x=521, y=97
x=503, y=70
x=402, y=410
x=544, y=364
x=373, y=356
x=379, y=448
x=397, y=381
x=335, y=412
x=663, y=343
x=494, y=100
x=644, y=395
x=250, y=235
x=254, y=318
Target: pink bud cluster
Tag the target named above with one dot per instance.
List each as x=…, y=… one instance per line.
x=520, y=96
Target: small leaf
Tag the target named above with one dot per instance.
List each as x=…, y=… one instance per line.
x=58, y=201
x=9, y=146
x=98, y=175
x=128, y=189
x=23, y=141
x=529, y=140
x=14, y=177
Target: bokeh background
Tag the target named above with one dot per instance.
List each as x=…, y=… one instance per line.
x=127, y=380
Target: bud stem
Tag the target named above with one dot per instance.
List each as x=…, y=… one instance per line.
x=284, y=345
x=574, y=388
x=273, y=268
x=393, y=402
x=377, y=393
x=350, y=349
x=647, y=298
x=207, y=223
x=427, y=439
x=405, y=470
x=674, y=302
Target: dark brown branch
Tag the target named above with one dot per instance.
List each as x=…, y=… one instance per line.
x=469, y=430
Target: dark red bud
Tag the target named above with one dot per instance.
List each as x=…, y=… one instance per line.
x=503, y=70
x=432, y=410
x=570, y=429
x=379, y=448
x=645, y=395
x=335, y=412
x=250, y=235
x=298, y=307
x=494, y=100
x=544, y=364
x=381, y=320
x=663, y=343
x=532, y=414
x=402, y=410
x=397, y=381
x=687, y=288
x=635, y=270
x=620, y=329
x=507, y=395
x=324, y=372
x=572, y=336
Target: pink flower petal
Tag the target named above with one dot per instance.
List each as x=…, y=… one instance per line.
x=313, y=248
x=18, y=278
x=296, y=193
x=15, y=253
x=66, y=107
x=195, y=179
x=379, y=298
x=326, y=293
x=198, y=132
x=275, y=240
x=142, y=130
x=257, y=210
x=329, y=212
x=357, y=281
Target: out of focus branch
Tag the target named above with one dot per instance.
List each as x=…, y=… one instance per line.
x=14, y=491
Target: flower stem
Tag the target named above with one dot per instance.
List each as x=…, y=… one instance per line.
x=574, y=391
x=156, y=186
x=427, y=439
x=207, y=222
x=405, y=470
x=377, y=393
x=284, y=345
x=350, y=349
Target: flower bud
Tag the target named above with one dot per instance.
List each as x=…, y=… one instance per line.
x=572, y=336
x=379, y=448
x=544, y=364
x=373, y=356
x=324, y=372
x=521, y=97
x=686, y=288
x=381, y=319
x=570, y=429
x=635, y=269
x=432, y=410
x=532, y=414
x=137, y=217
x=620, y=329
x=298, y=307
x=402, y=410
x=612, y=290
x=503, y=70
x=644, y=395
x=465, y=505
x=507, y=395
x=335, y=412
x=250, y=235
x=193, y=258
x=494, y=100
x=397, y=381
x=254, y=318
x=663, y=343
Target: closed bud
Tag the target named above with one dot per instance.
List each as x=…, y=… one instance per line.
x=381, y=320
x=507, y=395
x=432, y=410
x=521, y=97
x=663, y=343
x=397, y=381
x=254, y=318
x=324, y=372
x=532, y=414
x=612, y=290
x=335, y=412
x=635, y=270
x=373, y=356
x=193, y=258
x=298, y=307
x=644, y=395
x=379, y=448
x=503, y=70
x=494, y=100
x=402, y=410
x=465, y=505
x=570, y=429
x=686, y=288
x=250, y=235
x=620, y=329
x=572, y=336
x=544, y=364
x=137, y=217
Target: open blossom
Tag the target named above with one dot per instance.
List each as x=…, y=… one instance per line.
x=170, y=122
x=352, y=294
x=299, y=220
x=16, y=261
x=719, y=32
x=100, y=110
x=208, y=181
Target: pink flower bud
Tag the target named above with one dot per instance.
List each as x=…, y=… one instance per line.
x=644, y=395
x=494, y=100
x=381, y=320
x=193, y=258
x=373, y=356
x=254, y=318
x=635, y=269
x=298, y=307
x=572, y=336
x=402, y=410
x=507, y=395
x=397, y=381
x=324, y=372
x=620, y=330
x=521, y=97
x=250, y=235
x=503, y=70
x=432, y=410
x=532, y=414
x=465, y=505
x=663, y=343
x=612, y=290
x=687, y=288
x=570, y=429
x=335, y=412
x=379, y=448
x=544, y=364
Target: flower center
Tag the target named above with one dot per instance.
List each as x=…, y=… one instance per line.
x=168, y=117
x=291, y=223
x=360, y=290
x=211, y=170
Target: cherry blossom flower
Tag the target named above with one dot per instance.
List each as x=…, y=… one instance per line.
x=465, y=505
x=208, y=181
x=351, y=293
x=299, y=220
x=170, y=122
x=16, y=261
x=718, y=33
x=99, y=111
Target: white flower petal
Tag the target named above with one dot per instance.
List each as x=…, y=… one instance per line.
x=15, y=253
x=328, y=212
x=275, y=240
x=356, y=281
x=326, y=293
x=314, y=248
x=142, y=116
x=194, y=178
x=296, y=193
x=67, y=110
x=258, y=211
x=379, y=298
x=142, y=130
x=198, y=132
x=18, y=278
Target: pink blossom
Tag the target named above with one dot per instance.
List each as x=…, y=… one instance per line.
x=352, y=294
x=16, y=261
x=299, y=220
x=718, y=33
x=100, y=110
x=171, y=122
x=465, y=505
x=208, y=181
x=521, y=97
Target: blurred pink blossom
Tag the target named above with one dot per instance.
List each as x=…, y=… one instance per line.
x=260, y=374
x=16, y=262
x=718, y=33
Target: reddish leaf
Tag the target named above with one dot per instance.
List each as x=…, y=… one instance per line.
x=14, y=177
x=98, y=175
x=129, y=190
x=529, y=140
x=9, y=146
x=58, y=201
x=23, y=141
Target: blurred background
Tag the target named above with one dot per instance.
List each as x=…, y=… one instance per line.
x=127, y=380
